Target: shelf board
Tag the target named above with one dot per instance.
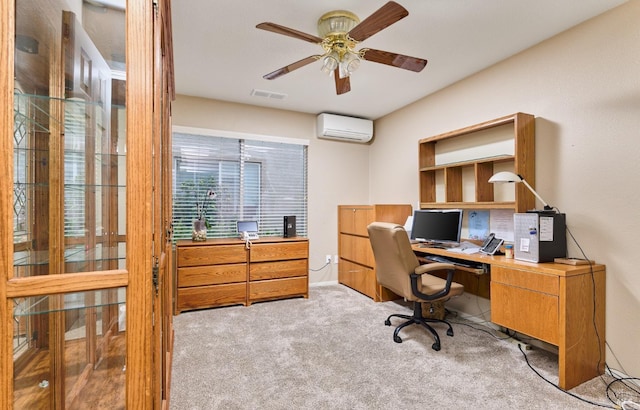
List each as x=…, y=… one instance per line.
x=497, y=158
x=509, y=119
x=467, y=205
x=71, y=255
x=39, y=305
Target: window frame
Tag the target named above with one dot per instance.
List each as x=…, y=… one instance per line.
x=265, y=219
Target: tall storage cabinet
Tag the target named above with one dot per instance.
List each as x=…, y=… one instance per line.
x=357, y=265
x=85, y=204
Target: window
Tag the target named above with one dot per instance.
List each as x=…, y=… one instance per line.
x=252, y=180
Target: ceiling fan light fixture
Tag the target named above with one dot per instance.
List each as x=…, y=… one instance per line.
x=337, y=21
x=340, y=31
x=349, y=63
x=330, y=63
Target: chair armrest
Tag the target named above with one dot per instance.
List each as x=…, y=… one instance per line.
x=430, y=267
x=425, y=269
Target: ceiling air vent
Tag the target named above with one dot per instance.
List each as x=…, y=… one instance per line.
x=268, y=94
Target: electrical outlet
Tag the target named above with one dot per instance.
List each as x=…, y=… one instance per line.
x=335, y=259
x=327, y=259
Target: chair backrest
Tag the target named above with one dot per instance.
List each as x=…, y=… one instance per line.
x=394, y=257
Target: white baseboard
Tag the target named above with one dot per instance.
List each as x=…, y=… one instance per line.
x=326, y=283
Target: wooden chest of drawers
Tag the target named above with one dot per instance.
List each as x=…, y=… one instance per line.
x=222, y=272
x=279, y=269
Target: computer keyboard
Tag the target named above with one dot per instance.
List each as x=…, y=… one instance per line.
x=453, y=261
x=437, y=258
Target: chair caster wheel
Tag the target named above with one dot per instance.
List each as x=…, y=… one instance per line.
x=387, y=322
x=450, y=332
x=436, y=346
x=397, y=339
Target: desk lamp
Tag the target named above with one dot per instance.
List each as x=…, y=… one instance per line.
x=506, y=176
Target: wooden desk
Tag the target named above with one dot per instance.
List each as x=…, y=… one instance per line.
x=556, y=303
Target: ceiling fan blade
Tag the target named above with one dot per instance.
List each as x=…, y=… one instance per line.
x=379, y=20
x=393, y=59
x=343, y=85
x=276, y=28
x=289, y=68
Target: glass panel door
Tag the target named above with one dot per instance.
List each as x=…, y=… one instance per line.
x=69, y=205
x=93, y=364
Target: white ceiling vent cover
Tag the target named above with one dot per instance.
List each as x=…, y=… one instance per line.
x=268, y=94
x=342, y=128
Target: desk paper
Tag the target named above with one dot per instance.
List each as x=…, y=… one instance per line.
x=546, y=228
x=501, y=222
x=478, y=224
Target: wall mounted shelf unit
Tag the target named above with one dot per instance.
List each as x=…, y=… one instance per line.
x=443, y=183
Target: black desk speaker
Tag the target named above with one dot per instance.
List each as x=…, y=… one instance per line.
x=289, y=226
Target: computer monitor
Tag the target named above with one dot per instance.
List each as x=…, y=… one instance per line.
x=439, y=227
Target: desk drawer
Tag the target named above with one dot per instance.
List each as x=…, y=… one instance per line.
x=538, y=282
x=211, y=255
x=212, y=275
x=280, y=269
x=532, y=313
x=276, y=288
x=261, y=252
x=526, y=302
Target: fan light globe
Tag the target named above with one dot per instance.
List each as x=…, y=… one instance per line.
x=336, y=22
x=330, y=63
x=349, y=63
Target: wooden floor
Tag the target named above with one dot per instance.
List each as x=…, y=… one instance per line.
x=103, y=389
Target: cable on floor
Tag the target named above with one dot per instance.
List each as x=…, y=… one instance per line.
x=487, y=331
x=623, y=390
x=562, y=390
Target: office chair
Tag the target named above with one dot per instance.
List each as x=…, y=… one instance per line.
x=398, y=269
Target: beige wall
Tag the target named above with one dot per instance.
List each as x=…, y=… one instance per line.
x=338, y=171
x=583, y=86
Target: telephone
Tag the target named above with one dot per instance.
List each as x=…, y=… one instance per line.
x=248, y=236
x=491, y=244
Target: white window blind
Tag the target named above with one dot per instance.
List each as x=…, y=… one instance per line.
x=253, y=180
x=75, y=166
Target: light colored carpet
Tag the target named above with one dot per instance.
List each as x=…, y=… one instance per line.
x=333, y=351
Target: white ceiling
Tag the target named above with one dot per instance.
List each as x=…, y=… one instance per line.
x=219, y=54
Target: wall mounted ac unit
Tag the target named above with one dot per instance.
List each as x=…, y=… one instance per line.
x=339, y=127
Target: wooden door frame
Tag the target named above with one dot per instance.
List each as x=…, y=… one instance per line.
x=7, y=30
x=138, y=276
x=139, y=247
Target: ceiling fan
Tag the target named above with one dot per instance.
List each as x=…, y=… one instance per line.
x=340, y=31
